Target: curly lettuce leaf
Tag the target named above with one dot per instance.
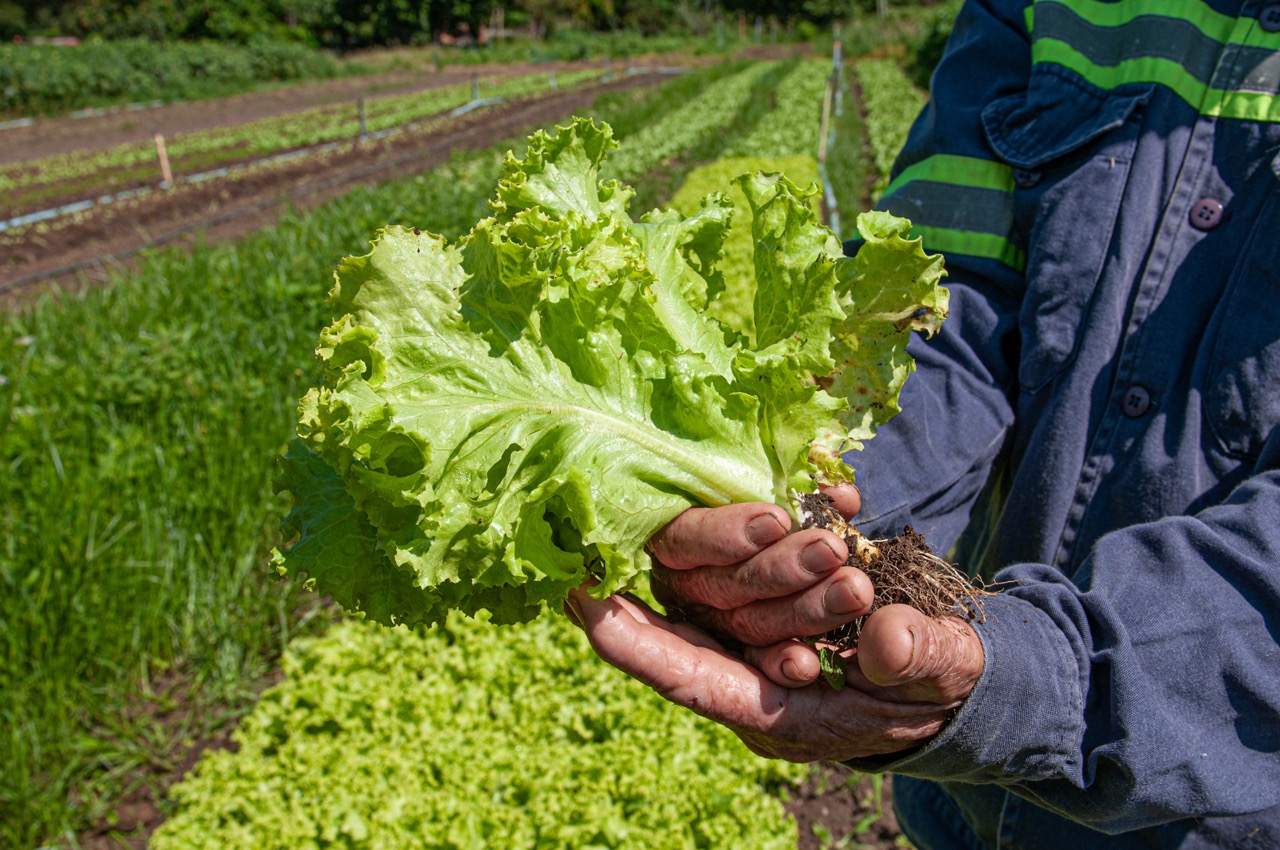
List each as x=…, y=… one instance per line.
x=888, y=290
x=513, y=413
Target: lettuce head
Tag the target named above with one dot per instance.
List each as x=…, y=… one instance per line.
x=501, y=418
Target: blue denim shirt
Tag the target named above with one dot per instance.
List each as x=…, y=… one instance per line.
x=1097, y=421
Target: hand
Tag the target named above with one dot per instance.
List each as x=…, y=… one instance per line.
x=738, y=573
x=909, y=674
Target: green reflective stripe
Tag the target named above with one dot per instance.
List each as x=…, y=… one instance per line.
x=988, y=246
x=1251, y=106
x=960, y=170
x=960, y=204
x=1223, y=66
x=1214, y=25
x=1150, y=37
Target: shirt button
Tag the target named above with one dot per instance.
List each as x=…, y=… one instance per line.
x=1025, y=178
x=1206, y=214
x=1269, y=18
x=1137, y=401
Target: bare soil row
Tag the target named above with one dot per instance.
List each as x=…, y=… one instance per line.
x=84, y=249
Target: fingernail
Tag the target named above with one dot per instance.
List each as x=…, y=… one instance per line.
x=819, y=557
x=572, y=611
x=791, y=671
x=765, y=529
x=915, y=644
x=839, y=598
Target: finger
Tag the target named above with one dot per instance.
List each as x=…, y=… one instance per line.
x=646, y=615
x=923, y=658
x=704, y=680
x=686, y=631
x=790, y=664
x=789, y=566
x=845, y=497
x=719, y=536
x=830, y=603
x=805, y=724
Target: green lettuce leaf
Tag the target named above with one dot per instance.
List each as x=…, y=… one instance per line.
x=888, y=290
x=516, y=412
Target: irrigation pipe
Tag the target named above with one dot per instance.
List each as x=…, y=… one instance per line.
x=90, y=113
x=829, y=141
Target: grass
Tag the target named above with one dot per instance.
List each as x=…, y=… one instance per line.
x=138, y=426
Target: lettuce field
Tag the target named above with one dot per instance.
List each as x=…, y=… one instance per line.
x=159, y=685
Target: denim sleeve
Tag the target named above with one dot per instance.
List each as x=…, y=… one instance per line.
x=1101, y=700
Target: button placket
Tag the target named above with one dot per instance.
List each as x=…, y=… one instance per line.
x=1269, y=18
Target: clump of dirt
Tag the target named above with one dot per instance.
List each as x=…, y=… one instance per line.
x=902, y=569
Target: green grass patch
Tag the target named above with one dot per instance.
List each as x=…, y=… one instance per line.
x=43, y=80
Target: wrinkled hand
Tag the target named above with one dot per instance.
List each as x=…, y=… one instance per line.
x=737, y=572
x=911, y=674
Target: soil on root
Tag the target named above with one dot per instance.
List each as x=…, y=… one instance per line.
x=902, y=569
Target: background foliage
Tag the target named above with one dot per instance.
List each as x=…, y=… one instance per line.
x=355, y=23
x=139, y=423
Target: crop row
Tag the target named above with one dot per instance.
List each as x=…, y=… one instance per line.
x=474, y=735
x=128, y=163
x=681, y=128
x=791, y=125
x=891, y=102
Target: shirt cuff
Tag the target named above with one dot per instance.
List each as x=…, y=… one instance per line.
x=1024, y=721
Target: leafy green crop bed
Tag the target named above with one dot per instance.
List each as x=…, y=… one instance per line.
x=892, y=103
x=474, y=736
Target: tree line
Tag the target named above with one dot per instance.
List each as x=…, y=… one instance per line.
x=350, y=24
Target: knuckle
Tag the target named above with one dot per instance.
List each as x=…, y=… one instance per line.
x=748, y=627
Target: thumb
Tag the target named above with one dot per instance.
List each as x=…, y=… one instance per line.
x=929, y=660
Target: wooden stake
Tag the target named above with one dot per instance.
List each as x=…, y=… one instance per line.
x=166, y=173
